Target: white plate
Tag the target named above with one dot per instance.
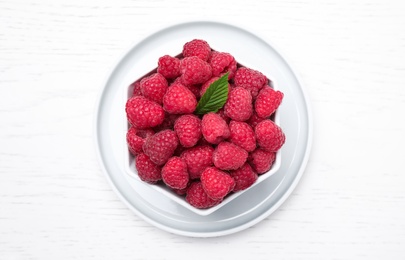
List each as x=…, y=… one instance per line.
x=253, y=205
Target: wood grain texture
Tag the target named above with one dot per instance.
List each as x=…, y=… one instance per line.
x=56, y=203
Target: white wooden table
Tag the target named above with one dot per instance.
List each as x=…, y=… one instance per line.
x=55, y=202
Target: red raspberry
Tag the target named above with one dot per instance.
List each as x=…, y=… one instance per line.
x=143, y=113
x=239, y=105
x=195, y=89
x=188, y=130
x=197, y=47
x=179, y=100
x=214, y=128
x=174, y=173
x=135, y=139
x=268, y=101
x=198, y=158
x=242, y=135
x=169, y=67
x=228, y=156
x=136, y=89
x=194, y=71
x=269, y=136
x=198, y=198
x=147, y=170
x=261, y=160
x=134, y=142
x=222, y=62
x=254, y=120
x=161, y=146
x=154, y=87
x=244, y=177
x=250, y=79
x=216, y=183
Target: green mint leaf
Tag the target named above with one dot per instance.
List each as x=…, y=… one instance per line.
x=215, y=97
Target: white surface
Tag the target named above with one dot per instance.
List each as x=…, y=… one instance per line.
x=56, y=203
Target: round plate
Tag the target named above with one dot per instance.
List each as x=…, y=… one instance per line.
x=252, y=206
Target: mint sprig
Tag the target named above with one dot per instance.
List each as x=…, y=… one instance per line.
x=214, y=97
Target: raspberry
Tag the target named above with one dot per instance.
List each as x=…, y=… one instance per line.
x=134, y=142
x=161, y=146
x=147, y=170
x=179, y=100
x=254, y=120
x=242, y=135
x=239, y=104
x=197, y=47
x=261, y=161
x=188, y=130
x=143, y=113
x=169, y=67
x=244, y=177
x=136, y=91
x=250, y=79
x=194, y=71
x=222, y=62
x=216, y=183
x=174, y=173
x=195, y=89
x=228, y=156
x=269, y=136
x=197, y=197
x=154, y=87
x=197, y=159
x=214, y=128
x=268, y=101
x=135, y=139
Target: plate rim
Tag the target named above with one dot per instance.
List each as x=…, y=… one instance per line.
x=267, y=212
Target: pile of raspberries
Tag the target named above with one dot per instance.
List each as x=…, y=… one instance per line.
x=202, y=157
